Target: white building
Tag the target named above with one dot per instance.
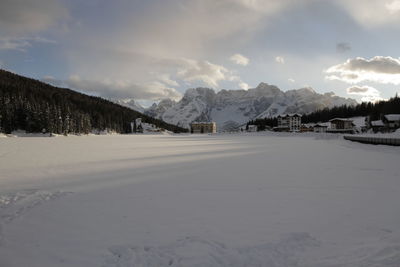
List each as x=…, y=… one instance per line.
x=138, y=123
x=289, y=123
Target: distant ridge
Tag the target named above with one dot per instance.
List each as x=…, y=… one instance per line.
x=232, y=108
x=34, y=106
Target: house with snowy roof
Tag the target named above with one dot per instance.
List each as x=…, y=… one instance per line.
x=341, y=125
x=377, y=126
x=320, y=128
x=391, y=121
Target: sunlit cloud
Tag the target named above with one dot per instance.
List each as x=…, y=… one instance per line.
x=166, y=79
x=393, y=6
x=204, y=71
x=368, y=93
x=244, y=86
x=371, y=13
x=377, y=69
x=279, y=60
x=239, y=59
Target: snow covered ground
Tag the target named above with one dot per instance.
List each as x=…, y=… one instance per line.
x=191, y=200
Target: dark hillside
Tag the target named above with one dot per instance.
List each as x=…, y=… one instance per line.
x=34, y=106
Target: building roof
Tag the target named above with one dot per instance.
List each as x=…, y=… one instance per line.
x=341, y=119
x=290, y=115
x=377, y=123
x=392, y=117
x=320, y=126
x=203, y=122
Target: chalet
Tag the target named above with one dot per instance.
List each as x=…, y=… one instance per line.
x=288, y=123
x=320, y=128
x=306, y=128
x=392, y=121
x=251, y=128
x=340, y=125
x=377, y=126
x=203, y=127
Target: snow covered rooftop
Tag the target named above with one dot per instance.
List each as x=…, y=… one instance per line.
x=377, y=123
x=203, y=122
x=392, y=117
x=290, y=115
x=341, y=119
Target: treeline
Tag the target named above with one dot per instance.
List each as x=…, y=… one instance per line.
x=34, y=106
x=263, y=124
x=374, y=110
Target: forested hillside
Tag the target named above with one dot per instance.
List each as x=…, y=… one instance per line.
x=34, y=106
x=374, y=110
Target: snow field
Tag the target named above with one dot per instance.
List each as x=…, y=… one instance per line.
x=198, y=200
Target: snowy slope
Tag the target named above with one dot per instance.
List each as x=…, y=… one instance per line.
x=156, y=110
x=231, y=108
x=221, y=200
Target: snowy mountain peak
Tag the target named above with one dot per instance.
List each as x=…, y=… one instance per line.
x=166, y=102
x=129, y=103
x=263, y=85
x=160, y=108
x=206, y=94
x=232, y=108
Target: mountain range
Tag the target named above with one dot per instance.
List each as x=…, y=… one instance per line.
x=232, y=108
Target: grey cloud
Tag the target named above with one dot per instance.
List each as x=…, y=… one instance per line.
x=343, y=47
x=357, y=89
x=351, y=76
x=21, y=17
x=22, y=43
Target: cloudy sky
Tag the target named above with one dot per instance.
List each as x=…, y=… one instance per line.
x=154, y=49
